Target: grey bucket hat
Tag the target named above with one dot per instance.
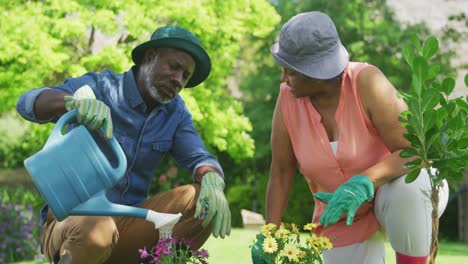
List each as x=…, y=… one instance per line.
x=309, y=44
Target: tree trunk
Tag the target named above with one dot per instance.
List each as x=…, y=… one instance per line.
x=435, y=225
x=463, y=210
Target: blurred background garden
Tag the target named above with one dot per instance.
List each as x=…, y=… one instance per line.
x=45, y=42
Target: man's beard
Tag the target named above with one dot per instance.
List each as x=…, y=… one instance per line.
x=149, y=83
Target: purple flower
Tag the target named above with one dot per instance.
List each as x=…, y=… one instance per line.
x=162, y=249
x=143, y=253
x=155, y=259
x=202, y=253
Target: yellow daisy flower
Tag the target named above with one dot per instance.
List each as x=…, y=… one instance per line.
x=291, y=252
x=270, y=245
x=267, y=229
x=295, y=229
x=282, y=233
x=310, y=226
x=325, y=243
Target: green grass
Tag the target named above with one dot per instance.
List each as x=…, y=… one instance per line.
x=235, y=250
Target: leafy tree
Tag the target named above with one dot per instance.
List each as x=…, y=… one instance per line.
x=44, y=42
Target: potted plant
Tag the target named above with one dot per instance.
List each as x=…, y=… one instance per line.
x=436, y=125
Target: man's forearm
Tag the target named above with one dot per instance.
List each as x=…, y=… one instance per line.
x=49, y=104
x=202, y=170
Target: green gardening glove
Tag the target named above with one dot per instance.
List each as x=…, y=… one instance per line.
x=212, y=205
x=346, y=199
x=92, y=113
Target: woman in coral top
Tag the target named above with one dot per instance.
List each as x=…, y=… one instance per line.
x=337, y=121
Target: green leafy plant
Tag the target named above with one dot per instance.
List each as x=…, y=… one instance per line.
x=436, y=125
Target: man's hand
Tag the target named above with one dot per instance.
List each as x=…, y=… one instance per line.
x=213, y=204
x=91, y=112
x=346, y=199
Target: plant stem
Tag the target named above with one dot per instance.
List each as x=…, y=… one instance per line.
x=435, y=224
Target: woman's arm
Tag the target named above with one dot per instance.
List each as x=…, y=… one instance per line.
x=381, y=102
x=283, y=168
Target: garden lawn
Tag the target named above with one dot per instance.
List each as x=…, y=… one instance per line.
x=235, y=250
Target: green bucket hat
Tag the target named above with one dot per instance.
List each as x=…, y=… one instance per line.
x=179, y=38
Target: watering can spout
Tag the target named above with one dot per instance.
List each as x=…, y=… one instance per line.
x=99, y=205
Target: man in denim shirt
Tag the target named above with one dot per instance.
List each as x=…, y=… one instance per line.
x=141, y=108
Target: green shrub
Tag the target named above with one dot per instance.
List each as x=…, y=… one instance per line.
x=239, y=197
x=242, y=194
x=20, y=139
x=20, y=194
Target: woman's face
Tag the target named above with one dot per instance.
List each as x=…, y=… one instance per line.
x=302, y=85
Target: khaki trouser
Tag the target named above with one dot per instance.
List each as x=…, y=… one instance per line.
x=106, y=239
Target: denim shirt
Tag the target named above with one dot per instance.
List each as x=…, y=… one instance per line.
x=144, y=138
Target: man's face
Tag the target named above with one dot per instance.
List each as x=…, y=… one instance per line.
x=164, y=73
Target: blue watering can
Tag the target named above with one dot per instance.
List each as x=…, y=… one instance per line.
x=72, y=174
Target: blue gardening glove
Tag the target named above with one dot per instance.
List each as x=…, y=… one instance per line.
x=212, y=205
x=346, y=199
x=256, y=251
x=91, y=112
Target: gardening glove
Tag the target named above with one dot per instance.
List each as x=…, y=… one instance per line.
x=212, y=205
x=256, y=251
x=91, y=112
x=346, y=199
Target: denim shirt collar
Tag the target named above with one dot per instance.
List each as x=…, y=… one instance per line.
x=132, y=94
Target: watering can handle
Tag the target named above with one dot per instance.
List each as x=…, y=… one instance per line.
x=71, y=116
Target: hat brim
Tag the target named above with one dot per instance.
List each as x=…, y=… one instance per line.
x=325, y=68
x=202, y=60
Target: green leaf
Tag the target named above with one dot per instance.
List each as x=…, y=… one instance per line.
x=430, y=47
x=408, y=54
x=462, y=104
x=430, y=99
x=408, y=152
x=430, y=120
x=415, y=142
x=416, y=42
x=433, y=71
x=448, y=84
x=412, y=176
x=403, y=120
x=414, y=107
x=415, y=124
x=413, y=164
x=420, y=69
x=432, y=136
x=444, y=138
x=466, y=80
x=458, y=176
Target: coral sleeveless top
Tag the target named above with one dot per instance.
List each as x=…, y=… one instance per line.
x=359, y=147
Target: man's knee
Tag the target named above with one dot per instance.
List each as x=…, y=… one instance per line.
x=97, y=232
